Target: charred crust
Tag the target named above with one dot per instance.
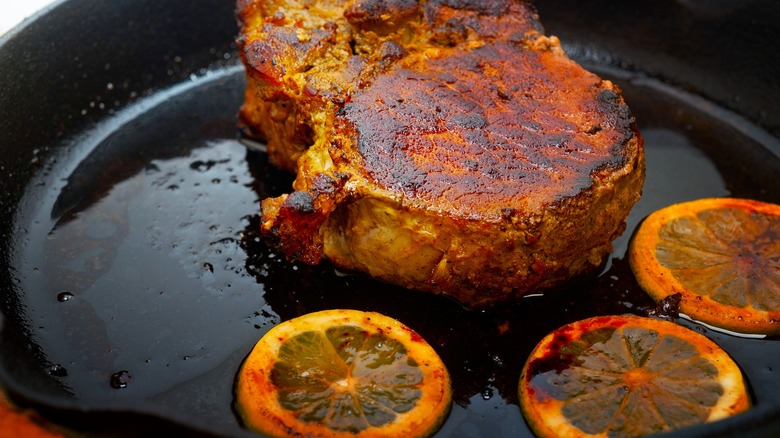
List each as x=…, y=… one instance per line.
x=453, y=21
x=442, y=136
x=299, y=202
x=295, y=229
x=484, y=7
x=503, y=95
x=284, y=42
x=466, y=121
x=258, y=55
x=375, y=11
x=324, y=184
x=452, y=32
x=391, y=51
x=507, y=213
x=593, y=129
x=611, y=105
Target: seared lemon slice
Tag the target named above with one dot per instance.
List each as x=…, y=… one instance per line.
x=343, y=373
x=722, y=255
x=627, y=376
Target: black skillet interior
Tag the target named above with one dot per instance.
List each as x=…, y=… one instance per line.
x=134, y=284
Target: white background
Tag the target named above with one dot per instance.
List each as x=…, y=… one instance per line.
x=12, y=12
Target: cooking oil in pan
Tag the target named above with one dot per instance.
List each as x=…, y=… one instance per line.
x=145, y=281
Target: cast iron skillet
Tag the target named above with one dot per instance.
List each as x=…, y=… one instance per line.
x=133, y=282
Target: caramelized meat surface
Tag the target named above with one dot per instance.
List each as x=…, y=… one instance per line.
x=446, y=146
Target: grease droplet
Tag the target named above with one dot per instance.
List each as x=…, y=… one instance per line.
x=57, y=370
x=120, y=379
x=64, y=296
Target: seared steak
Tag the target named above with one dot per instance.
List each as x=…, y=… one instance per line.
x=443, y=145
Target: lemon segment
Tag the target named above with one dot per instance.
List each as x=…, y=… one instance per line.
x=343, y=373
x=722, y=255
x=627, y=376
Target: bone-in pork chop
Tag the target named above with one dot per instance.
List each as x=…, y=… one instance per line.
x=444, y=145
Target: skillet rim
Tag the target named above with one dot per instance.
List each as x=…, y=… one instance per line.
x=58, y=407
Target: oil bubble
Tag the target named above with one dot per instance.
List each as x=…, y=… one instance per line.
x=120, y=379
x=57, y=370
x=64, y=296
